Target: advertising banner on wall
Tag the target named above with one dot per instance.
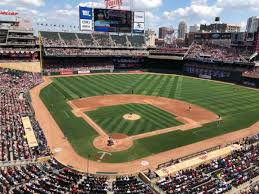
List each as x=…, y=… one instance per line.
x=139, y=28
x=212, y=36
x=139, y=22
x=139, y=16
x=85, y=18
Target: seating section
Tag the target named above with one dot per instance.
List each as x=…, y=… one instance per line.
x=137, y=41
x=219, y=176
x=94, y=184
x=212, y=52
x=121, y=41
x=92, y=52
x=87, y=40
x=52, y=177
x=130, y=184
x=51, y=39
x=70, y=39
x=103, y=40
x=65, y=39
x=14, y=104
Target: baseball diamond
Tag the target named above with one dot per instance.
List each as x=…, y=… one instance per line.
x=233, y=103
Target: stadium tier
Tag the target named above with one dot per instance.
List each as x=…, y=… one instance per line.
x=211, y=52
x=17, y=43
x=58, y=39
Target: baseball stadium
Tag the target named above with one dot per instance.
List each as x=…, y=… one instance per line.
x=102, y=111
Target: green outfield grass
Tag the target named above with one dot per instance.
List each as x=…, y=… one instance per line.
x=111, y=119
x=238, y=107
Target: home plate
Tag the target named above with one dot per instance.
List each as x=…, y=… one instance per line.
x=144, y=163
x=57, y=150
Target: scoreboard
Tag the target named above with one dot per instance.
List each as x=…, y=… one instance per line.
x=111, y=20
x=108, y=20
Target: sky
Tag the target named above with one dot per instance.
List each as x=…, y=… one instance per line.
x=157, y=12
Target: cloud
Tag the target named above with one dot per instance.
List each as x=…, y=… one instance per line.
x=67, y=12
x=147, y=4
x=203, y=22
x=151, y=17
x=197, y=10
x=92, y=4
x=27, y=11
x=152, y=20
x=200, y=11
x=36, y=3
x=238, y=4
x=199, y=2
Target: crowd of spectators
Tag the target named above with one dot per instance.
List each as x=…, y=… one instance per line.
x=49, y=177
x=130, y=184
x=58, y=39
x=92, y=52
x=218, y=176
x=210, y=52
x=104, y=40
x=121, y=41
x=15, y=104
x=52, y=177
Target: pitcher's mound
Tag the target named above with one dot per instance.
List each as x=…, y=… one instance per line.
x=131, y=117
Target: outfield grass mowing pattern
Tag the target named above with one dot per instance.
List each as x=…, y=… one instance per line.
x=111, y=119
x=238, y=107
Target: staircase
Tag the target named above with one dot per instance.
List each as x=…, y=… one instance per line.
x=128, y=42
x=95, y=42
x=253, y=56
x=110, y=190
x=81, y=42
x=61, y=39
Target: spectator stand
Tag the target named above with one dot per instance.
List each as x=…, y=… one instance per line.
x=15, y=104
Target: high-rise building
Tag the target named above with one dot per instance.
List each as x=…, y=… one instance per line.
x=220, y=27
x=252, y=24
x=150, y=37
x=182, y=29
x=194, y=28
x=163, y=31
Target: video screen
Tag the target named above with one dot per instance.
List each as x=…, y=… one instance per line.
x=107, y=20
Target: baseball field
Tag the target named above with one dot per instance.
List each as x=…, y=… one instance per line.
x=237, y=107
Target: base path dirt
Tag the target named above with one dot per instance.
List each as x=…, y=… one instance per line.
x=64, y=153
